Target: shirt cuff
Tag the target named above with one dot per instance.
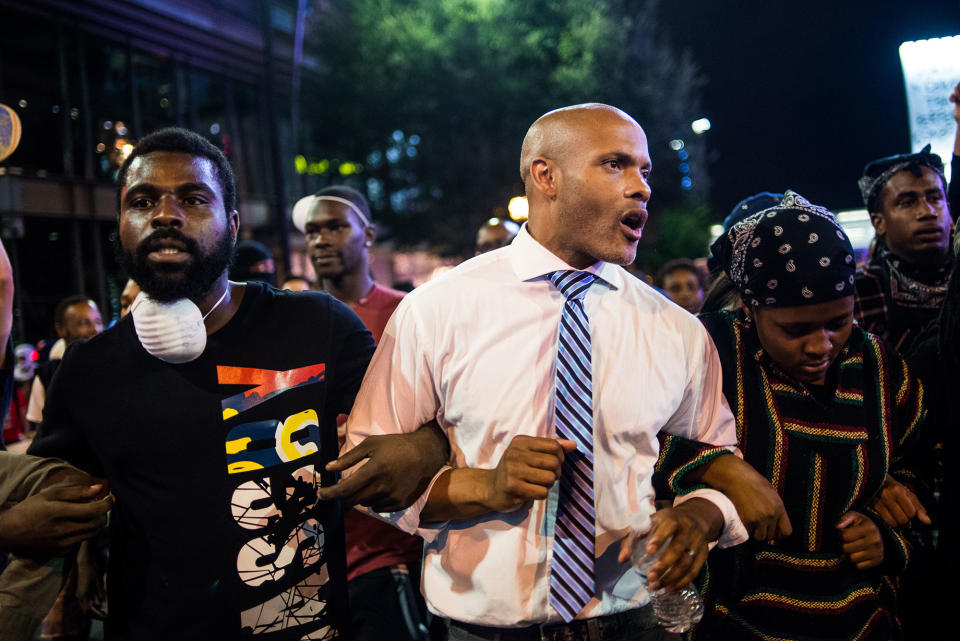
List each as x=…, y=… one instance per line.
x=408, y=519
x=734, y=532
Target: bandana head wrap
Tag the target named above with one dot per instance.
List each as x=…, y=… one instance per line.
x=749, y=206
x=789, y=255
x=878, y=172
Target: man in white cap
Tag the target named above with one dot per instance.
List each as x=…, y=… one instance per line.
x=383, y=563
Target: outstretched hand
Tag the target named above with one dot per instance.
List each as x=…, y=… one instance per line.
x=55, y=519
x=389, y=471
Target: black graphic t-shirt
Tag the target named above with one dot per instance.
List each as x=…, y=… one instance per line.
x=215, y=465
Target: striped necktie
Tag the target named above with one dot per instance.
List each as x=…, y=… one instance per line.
x=572, y=583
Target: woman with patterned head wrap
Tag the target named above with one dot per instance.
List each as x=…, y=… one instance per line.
x=824, y=412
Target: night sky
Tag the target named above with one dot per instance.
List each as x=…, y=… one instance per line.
x=802, y=95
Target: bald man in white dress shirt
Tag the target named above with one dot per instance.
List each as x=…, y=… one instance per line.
x=477, y=351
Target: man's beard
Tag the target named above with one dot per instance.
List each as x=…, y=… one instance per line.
x=165, y=282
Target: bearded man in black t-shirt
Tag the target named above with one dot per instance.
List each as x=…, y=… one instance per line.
x=211, y=409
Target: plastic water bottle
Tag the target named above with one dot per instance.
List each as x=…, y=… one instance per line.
x=677, y=611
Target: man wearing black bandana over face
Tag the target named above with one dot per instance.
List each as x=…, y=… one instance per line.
x=900, y=291
x=211, y=409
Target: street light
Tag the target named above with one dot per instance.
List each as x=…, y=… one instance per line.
x=518, y=208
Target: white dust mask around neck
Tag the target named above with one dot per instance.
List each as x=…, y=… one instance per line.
x=173, y=332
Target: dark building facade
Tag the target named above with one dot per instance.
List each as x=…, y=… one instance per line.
x=87, y=79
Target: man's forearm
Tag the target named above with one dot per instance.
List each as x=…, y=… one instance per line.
x=460, y=493
x=719, y=472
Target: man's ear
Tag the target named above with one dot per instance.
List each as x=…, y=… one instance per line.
x=879, y=223
x=369, y=235
x=61, y=330
x=233, y=219
x=545, y=176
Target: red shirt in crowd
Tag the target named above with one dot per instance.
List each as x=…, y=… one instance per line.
x=372, y=544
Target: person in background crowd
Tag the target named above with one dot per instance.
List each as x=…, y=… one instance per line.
x=953, y=192
x=515, y=408
x=48, y=507
x=825, y=412
x=15, y=424
x=682, y=283
x=127, y=296
x=253, y=261
x=900, y=290
x=494, y=234
x=383, y=563
x=75, y=318
x=297, y=284
x=340, y=232
x=210, y=409
x=7, y=364
x=721, y=294
x=936, y=361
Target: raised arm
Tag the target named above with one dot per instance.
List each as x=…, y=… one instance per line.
x=6, y=304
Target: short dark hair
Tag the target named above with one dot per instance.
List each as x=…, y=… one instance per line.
x=184, y=141
x=676, y=265
x=60, y=311
x=348, y=193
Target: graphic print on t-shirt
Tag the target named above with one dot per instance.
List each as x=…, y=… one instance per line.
x=269, y=383
x=275, y=503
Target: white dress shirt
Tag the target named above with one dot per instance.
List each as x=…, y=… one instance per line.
x=476, y=349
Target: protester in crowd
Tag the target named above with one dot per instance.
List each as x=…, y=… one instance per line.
x=296, y=284
x=493, y=563
x=383, y=563
x=494, y=234
x=721, y=294
x=936, y=361
x=824, y=411
x=6, y=324
x=900, y=290
x=339, y=232
x=48, y=508
x=127, y=296
x=253, y=260
x=211, y=409
x=953, y=193
x=682, y=282
x=15, y=425
x=75, y=318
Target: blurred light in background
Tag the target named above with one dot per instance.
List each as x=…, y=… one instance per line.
x=518, y=208
x=856, y=223
x=676, y=144
x=715, y=231
x=931, y=69
x=700, y=125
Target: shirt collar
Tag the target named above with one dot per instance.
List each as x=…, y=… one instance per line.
x=531, y=260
